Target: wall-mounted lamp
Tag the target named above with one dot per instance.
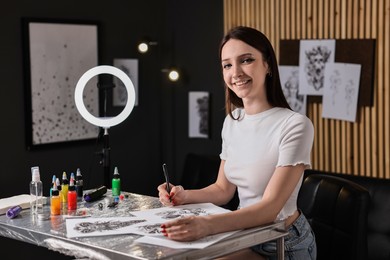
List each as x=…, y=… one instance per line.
x=173, y=74
x=144, y=45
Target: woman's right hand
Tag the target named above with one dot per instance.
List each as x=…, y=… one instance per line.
x=174, y=198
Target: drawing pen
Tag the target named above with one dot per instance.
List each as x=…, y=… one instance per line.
x=165, y=170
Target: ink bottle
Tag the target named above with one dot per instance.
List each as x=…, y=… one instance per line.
x=55, y=202
x=116, y=183
x=79, y=184
x=72, y=196
x=64, y=188
x=36, y=192
x=59, y=188
x=53, y=181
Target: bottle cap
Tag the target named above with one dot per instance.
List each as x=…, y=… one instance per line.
x=71, y=185
x=64, y=178
x=116, y=172
x=58, y=184
x=35, y=173
x=78, y=174
x=14, y=211
x=55, y=191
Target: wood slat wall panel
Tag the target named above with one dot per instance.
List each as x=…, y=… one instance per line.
x=363, y=147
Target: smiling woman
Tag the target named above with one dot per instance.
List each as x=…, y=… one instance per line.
x=265, y=149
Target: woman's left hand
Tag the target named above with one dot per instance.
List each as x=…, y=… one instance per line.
x=187, y=228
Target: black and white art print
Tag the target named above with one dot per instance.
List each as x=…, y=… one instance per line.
x=57, y=54
x=198, y=114
x=289, y=79
x=340, y=99
x=313, y=57
x=119, y=93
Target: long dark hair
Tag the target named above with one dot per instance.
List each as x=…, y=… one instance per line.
x=259, y=41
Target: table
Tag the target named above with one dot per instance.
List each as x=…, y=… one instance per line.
x=51, y=233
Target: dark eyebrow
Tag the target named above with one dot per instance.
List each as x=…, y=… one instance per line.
x=242, y=55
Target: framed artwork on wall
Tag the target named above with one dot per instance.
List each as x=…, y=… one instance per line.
x=198, y=114
x=119, y=94
x=56, y=54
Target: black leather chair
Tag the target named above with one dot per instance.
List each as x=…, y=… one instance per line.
x=337, y=210
x=201, y=170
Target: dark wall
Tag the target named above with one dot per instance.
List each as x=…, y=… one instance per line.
x=157, y=129
x=198, y=30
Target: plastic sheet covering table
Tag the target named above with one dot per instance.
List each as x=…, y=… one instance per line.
x=51, y=233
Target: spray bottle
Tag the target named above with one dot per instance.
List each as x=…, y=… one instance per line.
x=36, y=191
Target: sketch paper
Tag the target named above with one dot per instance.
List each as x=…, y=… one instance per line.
x=313, y=56
x=130, y=68
x=198, y=244
x=147, y=223
x=289, y=79
x=165, y=214
x=88, y=227
x=341, y=91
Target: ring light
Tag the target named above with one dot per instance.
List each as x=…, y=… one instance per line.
x=104, y=122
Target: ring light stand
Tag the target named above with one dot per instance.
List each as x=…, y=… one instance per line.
x=105, y=122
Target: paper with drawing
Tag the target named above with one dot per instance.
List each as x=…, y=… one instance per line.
x=146, y=223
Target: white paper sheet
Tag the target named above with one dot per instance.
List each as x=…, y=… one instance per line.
x=289, y=79
x=148, y=224
x=341, y=91
x=198, y=244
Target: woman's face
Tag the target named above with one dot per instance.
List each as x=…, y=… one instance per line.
x=244, y=70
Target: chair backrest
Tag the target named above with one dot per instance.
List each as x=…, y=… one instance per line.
x=201, y=170
x=337, y=210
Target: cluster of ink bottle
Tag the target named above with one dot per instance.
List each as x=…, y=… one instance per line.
x=64, y=196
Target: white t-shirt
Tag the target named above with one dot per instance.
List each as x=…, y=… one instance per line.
x=255, y=145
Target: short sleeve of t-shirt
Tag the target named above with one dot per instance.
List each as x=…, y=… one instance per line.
x=296, y=141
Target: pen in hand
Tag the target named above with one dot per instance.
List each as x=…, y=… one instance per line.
x=165, y=170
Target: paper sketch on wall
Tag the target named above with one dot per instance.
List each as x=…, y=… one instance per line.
x=289, y=79
x=198, y=113
x=313, y=56
x=341, y=89
x=119, y=93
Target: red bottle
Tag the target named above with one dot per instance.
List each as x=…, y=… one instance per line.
x=72, y=196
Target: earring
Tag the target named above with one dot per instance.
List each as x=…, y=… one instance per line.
x=269, y=74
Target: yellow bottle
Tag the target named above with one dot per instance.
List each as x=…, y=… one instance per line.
x=64, y=189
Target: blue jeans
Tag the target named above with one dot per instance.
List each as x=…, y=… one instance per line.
x=299, y=244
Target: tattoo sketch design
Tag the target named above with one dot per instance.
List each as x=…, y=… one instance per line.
x=203, y=112
x=153, y=229
x=291, y=91
x=335, y=82
x=171, y=214
x=315, y=65
x=349, y=94
x=102, y=226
